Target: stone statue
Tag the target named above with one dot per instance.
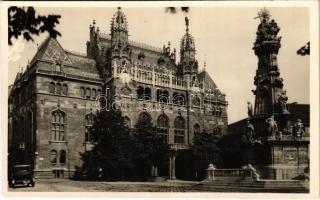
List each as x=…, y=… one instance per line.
x=287, y=130
x=298, y=129
x=250, y=110
x=283, y=101
x=249, y=132
x=272, y=127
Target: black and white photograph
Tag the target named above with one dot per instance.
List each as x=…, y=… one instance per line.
x=158, y=99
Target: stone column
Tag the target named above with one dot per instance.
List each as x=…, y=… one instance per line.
x=172, y=166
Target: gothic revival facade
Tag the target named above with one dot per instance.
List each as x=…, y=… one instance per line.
x=53, y=102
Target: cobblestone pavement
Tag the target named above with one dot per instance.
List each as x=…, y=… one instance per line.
x=65, y=185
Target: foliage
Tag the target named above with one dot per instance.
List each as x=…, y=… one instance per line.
x=111, y=157
x=119, y=155
x=205, y=151
x=305, y=50
x=173, y=10
x=24, y=21
x=150, y=149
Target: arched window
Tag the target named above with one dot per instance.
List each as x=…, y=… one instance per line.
x=62, y=157
x=144, y=118
x=179, y=129
x=64, y=89
x=58, y=88
x=178, y=99
x=147, y=92
x=127, y=121
x=196, y=129
x=162, y=96
x=89, y=123
x=52, y=88
x=57, y=126
x=163, y=127
x=88, y=93
x=53, y=156
x=140, y=92
x=94, y=93
x=82, y=92
x=58, y=67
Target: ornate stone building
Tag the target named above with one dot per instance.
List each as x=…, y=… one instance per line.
x=53, y=102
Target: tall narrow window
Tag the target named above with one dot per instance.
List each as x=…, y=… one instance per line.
x=64, y=89
x=52, y=87
x=58, y=88
x=89, y=123
x=179, y=129
x=88, y=93
x=163, y=127
x=62, y=157
x=58, y=126
x=58, y=67
x=82, y=92
x=53, y=156
x=94, y=93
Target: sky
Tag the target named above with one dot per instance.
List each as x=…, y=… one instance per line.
x=224, y=38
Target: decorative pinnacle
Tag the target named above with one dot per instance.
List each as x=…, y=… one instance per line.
x=94, y=22
x=263, y=14
x=187, y=23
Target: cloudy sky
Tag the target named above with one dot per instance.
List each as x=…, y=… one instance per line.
x=224, y=39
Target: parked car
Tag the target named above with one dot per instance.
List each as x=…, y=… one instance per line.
x=21, y=175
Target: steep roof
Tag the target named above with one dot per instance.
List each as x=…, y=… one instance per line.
x=51, y=50
x=205, y=78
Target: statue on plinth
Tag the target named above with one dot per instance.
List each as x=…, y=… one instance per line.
x=272, y=129
x=283, y=102
x=249, y=132
x=298, y=129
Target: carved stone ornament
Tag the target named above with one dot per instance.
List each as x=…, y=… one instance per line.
x=126, y=90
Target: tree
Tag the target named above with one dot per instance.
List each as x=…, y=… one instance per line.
x=150, y=148
x=111, y=157
x=305, y=50
x=173, y=10
x=24, y=21
x=205, y=151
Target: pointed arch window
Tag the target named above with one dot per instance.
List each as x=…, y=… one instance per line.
x=58, y=126
x=62, y=157
x=82, y=92
x=163, y=127
x=89, y=124
x=58, y=88
x=64, y=89
x=94, y=93
x=179, y=130
x=52, y=88
x=53, y=156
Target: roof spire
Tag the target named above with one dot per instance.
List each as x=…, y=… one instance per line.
x=187, y=24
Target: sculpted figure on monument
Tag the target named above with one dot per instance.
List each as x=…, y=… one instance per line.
x=283, y=101
x=298, y=129
x=272, y=128
x=249, y=132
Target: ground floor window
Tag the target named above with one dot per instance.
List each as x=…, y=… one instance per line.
x=179, y=136
x=163, y=133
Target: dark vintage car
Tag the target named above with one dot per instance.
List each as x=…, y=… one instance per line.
x=21, y=175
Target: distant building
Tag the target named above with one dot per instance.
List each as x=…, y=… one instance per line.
x=53, y=102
